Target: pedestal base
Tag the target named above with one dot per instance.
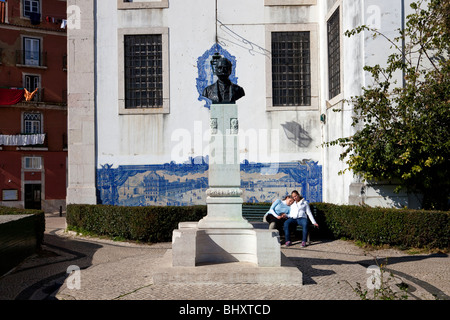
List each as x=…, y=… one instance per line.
x=192, y=246
x=227, y=273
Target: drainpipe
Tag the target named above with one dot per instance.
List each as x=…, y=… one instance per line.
x=403, y=40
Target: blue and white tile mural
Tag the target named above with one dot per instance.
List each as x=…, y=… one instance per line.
x=186, y=183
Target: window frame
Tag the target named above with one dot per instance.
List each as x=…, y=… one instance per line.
x=34, y=160
x=164, y=32
x=312, y=28
x=29, y=40
x=38, y=95
x=39, y=122
x=27, y=16
x=340, y=96
x=334, y=61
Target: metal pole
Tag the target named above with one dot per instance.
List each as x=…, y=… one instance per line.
x=217, y=40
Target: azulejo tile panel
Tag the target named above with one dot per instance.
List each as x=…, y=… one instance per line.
x=181, y=184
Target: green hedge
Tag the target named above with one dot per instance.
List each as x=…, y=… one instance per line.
x=146, y=224
x=377, y=226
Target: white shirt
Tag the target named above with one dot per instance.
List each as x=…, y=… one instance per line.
x=300, y=210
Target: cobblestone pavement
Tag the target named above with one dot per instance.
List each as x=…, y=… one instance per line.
x=123, y=271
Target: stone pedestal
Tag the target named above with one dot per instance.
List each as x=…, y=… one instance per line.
x=224, y=243
x=224, y=200
x=193, y=246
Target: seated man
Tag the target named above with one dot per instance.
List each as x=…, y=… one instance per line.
x=298, y=216
x=277, y=213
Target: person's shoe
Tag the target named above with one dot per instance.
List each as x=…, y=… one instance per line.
x=288, y=244
x=303, y=244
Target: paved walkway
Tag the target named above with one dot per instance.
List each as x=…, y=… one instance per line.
x=123, y=271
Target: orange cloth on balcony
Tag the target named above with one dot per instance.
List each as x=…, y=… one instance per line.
x=29, y=95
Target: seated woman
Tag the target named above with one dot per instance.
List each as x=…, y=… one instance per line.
x=278, y=212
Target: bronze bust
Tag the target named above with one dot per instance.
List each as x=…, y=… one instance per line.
x=223, y=90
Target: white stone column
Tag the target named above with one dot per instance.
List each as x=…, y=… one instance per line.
x=81, y=102
x=224, y=200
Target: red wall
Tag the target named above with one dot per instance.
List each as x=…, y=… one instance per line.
x=54, y=172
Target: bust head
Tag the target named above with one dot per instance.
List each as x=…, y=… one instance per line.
x=223, y=69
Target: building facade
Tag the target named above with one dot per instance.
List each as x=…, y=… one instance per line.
x=33, y=104
x=139, y=126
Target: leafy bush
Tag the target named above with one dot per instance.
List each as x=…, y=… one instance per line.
x=377, y=226
x=146, y=224
x=399, y=227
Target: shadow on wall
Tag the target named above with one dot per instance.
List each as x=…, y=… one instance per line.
x=384, y=195
x=295, y=133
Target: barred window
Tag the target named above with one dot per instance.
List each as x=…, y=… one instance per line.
x=291, y=68
x=143, y=71
x=334, y=72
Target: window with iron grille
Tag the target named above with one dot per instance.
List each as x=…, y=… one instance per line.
x=143, y=71
x=291, y=68
x=32, y=123
x=334, y=60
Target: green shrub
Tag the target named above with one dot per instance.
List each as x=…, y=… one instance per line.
x=145, y=224
x=377, y=226
x=398, y=227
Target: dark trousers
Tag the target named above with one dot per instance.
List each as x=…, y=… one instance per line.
x=278, y=222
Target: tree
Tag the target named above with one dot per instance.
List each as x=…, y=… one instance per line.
x=404, y=128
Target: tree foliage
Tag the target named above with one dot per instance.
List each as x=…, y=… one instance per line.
x=403, y=128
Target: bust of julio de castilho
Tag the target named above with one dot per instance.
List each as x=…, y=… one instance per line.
x=223, y=90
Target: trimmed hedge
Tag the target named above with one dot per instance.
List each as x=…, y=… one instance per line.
x=146, y=224
x=377, y=226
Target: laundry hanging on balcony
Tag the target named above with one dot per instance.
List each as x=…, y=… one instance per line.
x=22, y=139
x=10, y=96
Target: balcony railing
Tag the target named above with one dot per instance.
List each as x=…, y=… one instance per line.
x=31, y=58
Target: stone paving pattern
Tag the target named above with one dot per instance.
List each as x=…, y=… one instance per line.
x=123, y=271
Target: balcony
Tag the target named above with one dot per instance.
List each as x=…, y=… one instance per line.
x=32, y=59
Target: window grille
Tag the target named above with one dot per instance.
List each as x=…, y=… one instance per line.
x=291, y=68
x=143, y=71
x=32, y=123
x=334, y=72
